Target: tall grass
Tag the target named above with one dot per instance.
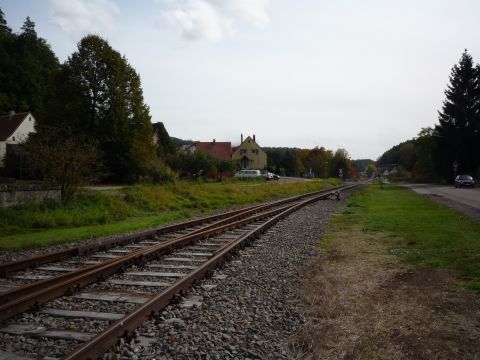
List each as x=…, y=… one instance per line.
x=136, y=206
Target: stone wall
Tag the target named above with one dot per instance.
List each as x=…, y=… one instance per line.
x=11, y=195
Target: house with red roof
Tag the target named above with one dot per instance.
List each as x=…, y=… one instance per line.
x=14, y=129
x=218, y=150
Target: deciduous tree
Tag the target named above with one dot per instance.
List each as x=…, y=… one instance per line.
x=99, y=95
x=63, y=159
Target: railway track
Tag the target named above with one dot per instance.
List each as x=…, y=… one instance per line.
x=86, y=309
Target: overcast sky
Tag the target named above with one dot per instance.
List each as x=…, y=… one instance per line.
x=363, y=75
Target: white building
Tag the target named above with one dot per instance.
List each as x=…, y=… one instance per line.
x=14, y=129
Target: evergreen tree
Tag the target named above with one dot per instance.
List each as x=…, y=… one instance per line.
x=457, y=133
x=6, y=41
x=3, y=24
x=476, y=129
x=29, y=28
x=26, y=66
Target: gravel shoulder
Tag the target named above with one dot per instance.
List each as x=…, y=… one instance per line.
x=249, y=309
x=466, y=201
x=463, y=208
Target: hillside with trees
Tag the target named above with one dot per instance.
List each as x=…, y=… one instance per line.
x=455, y=139
x=92, y=121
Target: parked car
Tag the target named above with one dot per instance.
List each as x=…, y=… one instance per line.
x=245, y=174
x=270, y=176
x=464, y=181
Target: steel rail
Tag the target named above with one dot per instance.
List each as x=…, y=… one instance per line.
x=105, y=244
x=70, y=285
x=96, y=347
x=119, y=240
x=17, y=292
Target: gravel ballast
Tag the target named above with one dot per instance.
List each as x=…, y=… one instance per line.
x=247, y=309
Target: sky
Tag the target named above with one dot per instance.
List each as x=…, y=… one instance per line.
x=360, y=75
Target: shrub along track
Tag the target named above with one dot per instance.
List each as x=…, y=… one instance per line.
x=113, y=285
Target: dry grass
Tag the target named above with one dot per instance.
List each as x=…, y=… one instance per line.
x=363, y=303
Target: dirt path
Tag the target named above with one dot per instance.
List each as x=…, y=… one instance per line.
x=363, y=303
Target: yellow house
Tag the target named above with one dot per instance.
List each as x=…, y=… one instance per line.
x=250, y=155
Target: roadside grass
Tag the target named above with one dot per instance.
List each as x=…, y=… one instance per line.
x=102, y=213
x=386, y=283
x=417, y=230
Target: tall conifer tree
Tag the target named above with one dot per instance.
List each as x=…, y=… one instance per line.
x=457, y=134
x=3, y=23
x=26, y=66
x=6, y=41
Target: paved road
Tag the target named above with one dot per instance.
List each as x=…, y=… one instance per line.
x=469, y=197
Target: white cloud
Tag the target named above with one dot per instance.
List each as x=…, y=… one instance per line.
x=213, y=20
x=81, y=17
x=250, y=11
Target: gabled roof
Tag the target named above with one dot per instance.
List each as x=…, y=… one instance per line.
x=248, y=139
x=219, y=150
x=9, y=123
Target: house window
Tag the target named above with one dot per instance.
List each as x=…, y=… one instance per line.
x=243, y=151
x=255, y=151
x=13, y=138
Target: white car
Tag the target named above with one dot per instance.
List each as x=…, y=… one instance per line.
x=270, y=176
x=248, y=174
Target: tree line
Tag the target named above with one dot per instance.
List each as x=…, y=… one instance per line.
x=92, y=121
x=93, y=124
x=452, y=146
x=317, y=162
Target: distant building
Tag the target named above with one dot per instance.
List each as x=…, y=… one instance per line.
x=218, y=150
x=250, y=155
x=14, y=129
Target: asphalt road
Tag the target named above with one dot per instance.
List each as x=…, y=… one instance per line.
x=458, y=198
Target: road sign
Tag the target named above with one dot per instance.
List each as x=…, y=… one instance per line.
x=455, y=166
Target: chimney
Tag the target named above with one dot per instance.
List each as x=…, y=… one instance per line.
x=214, y=141
x=241, y=138
x=253, y=137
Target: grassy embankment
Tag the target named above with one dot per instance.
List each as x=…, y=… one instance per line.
x=96, y=213
x=416, y=229
x=390, y=282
